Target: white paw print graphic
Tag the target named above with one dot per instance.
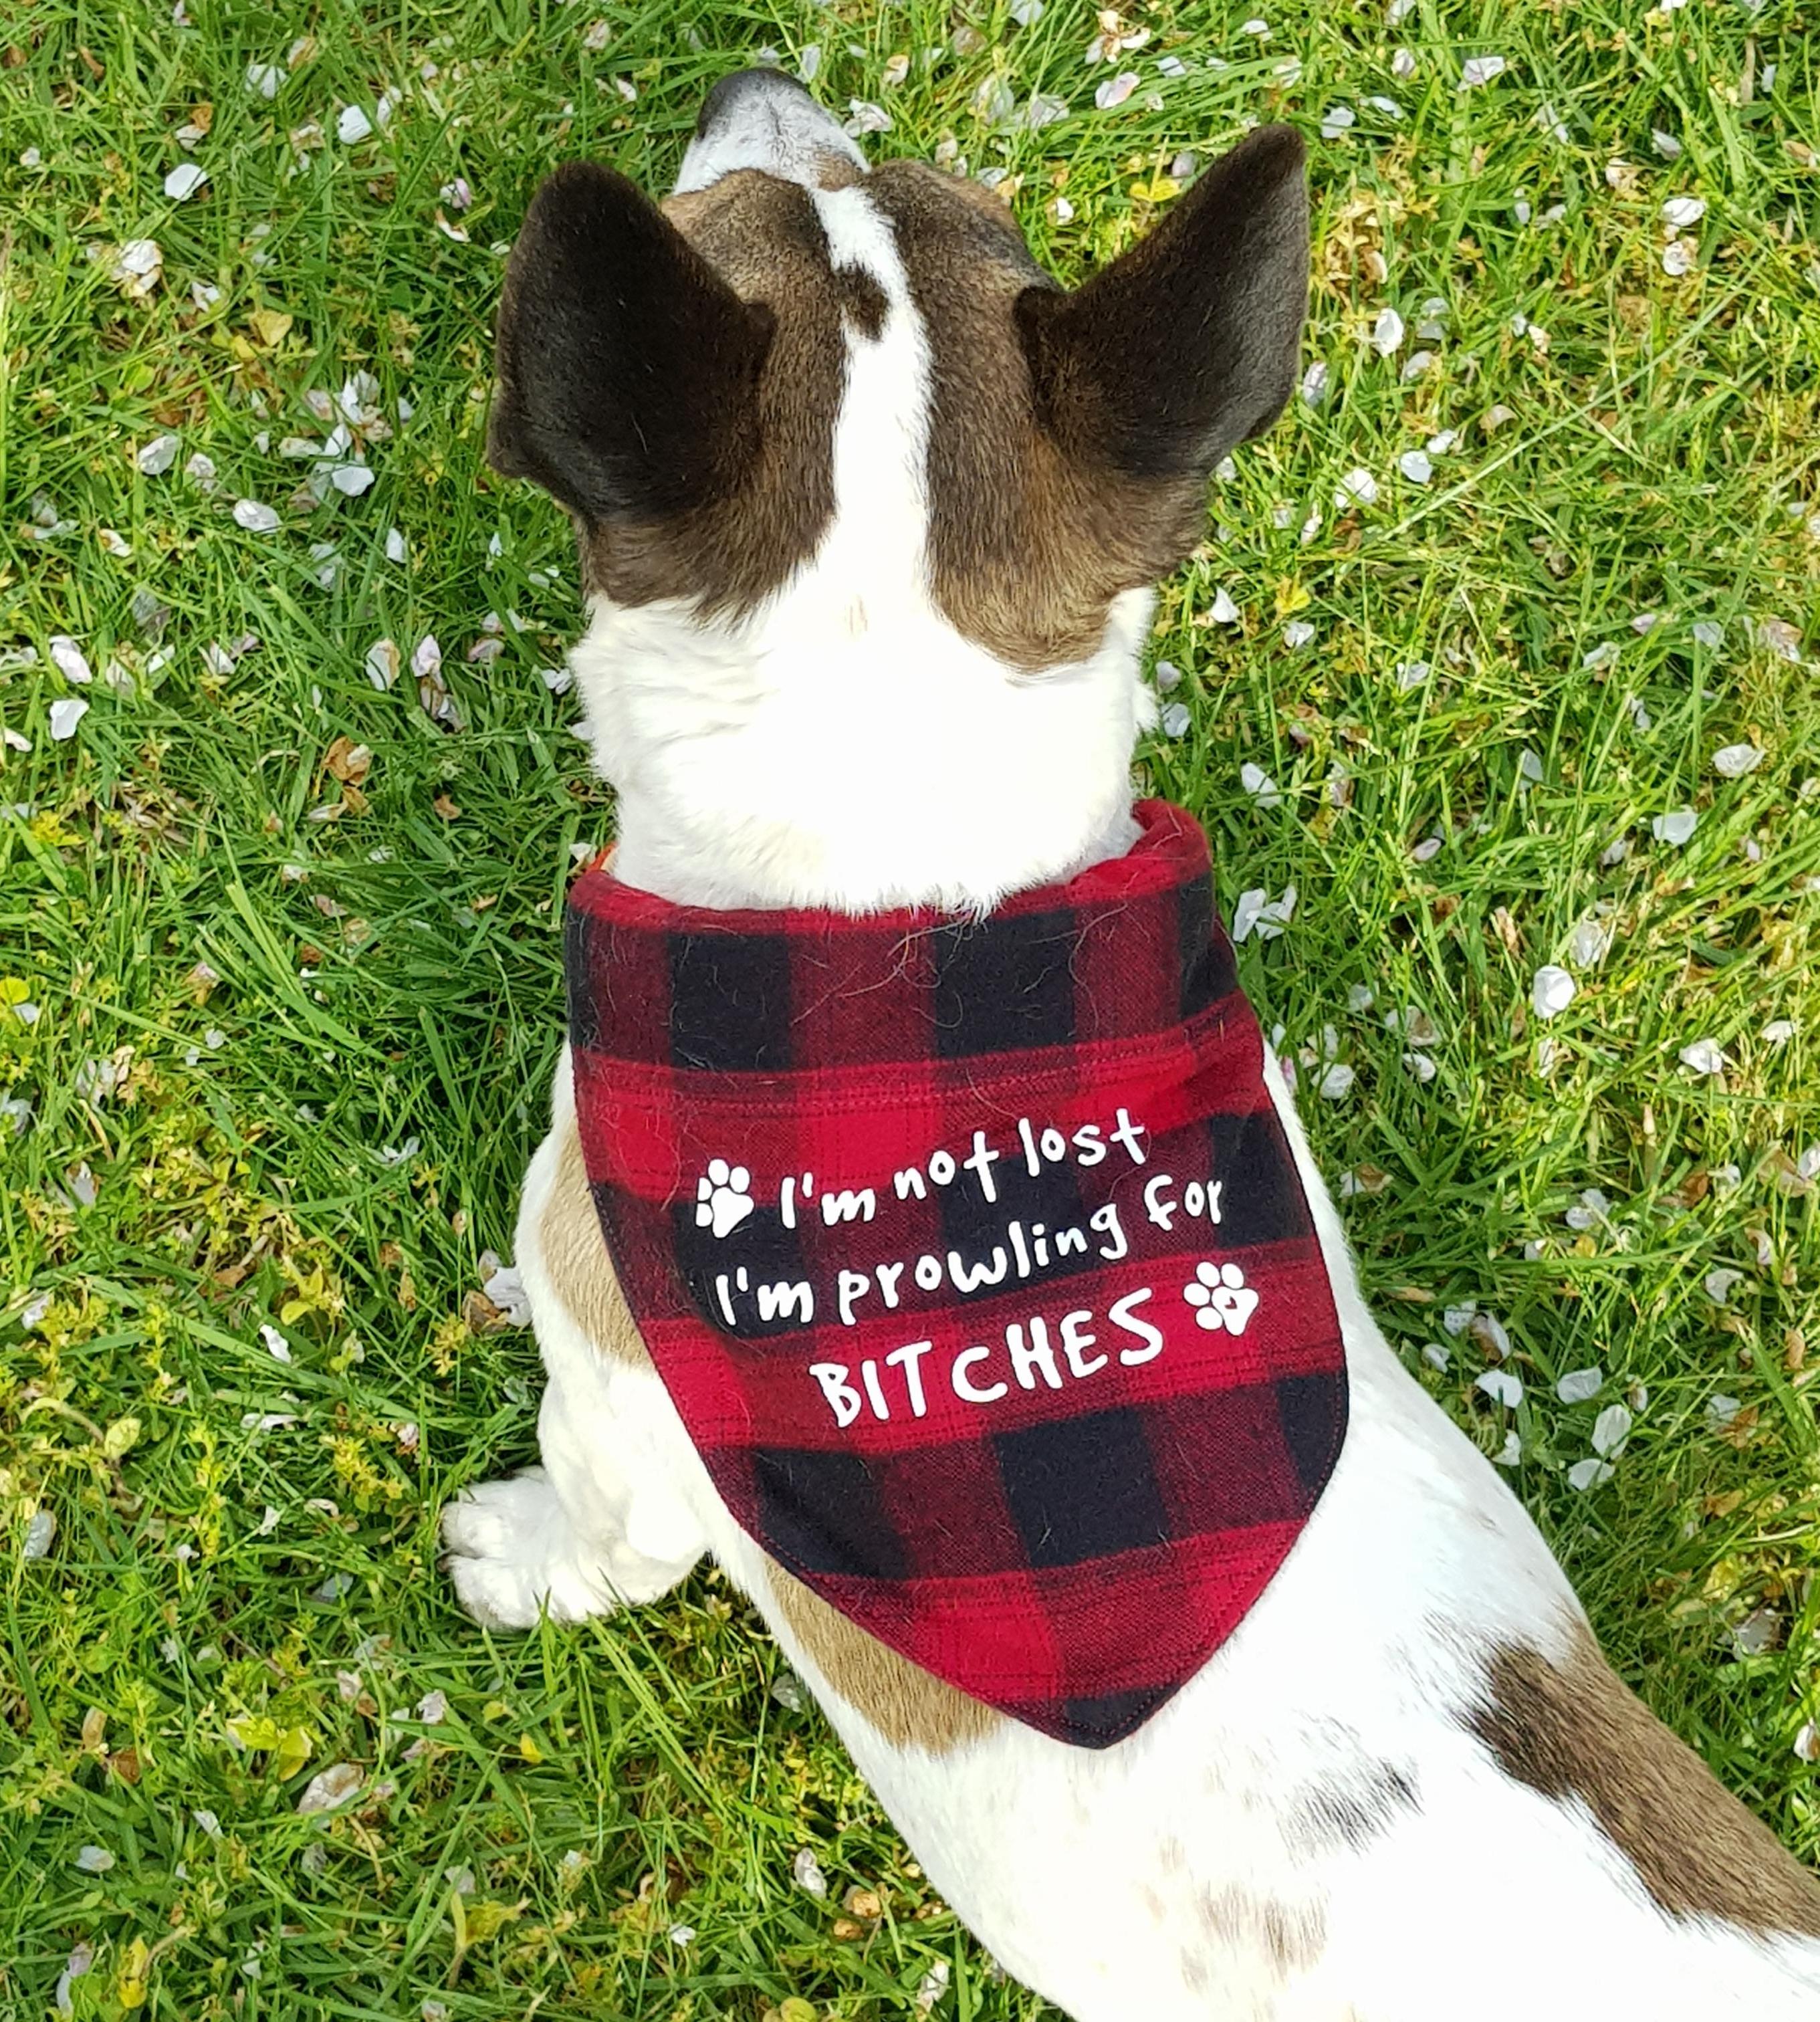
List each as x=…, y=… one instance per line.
x=1220, y=1297
x=722, y=1202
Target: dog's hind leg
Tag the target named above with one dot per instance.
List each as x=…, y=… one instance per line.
x=612, y=1515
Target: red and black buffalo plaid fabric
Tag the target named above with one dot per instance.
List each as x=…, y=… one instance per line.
x=975, y=1259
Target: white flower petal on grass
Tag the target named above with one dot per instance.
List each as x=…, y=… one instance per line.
x=1589, y=943
x=1489, y=1331
x=1732, y=762
x=71, y=661
x=352, y=125
x=351, y=478
x=1503, y=1386
x=1675, y=828
x=39, y=1533
x=1222, y=611
x=254, y=516
x=1457, y=1319
x=157, y=456
x=1552, y=990
x=184, y=181
x=200, y=471
x=1511, y=1453
x=382, y=661
x=432, y=1708
x=1387, y=333
x=806, y=1871
x=1720, y=1410
x=1357, y=488
x=94, y=1859
x=1779, y=1031
x=1246, y=913
x=1415, y=365
x=1704, y=1057
x=863, y=116
x=1610, y=1429
x=1480, y=70
x=81, y=1959
x=1679, y=212
x=426, y=657
x=1314, y=388
x=1298, y=633
x=1412, y=673
x=1115, y=90
x=1337, y=1082
x=1337, y=119
x=505, y=1286
x=1414, y=465
x=395, y=549
x=1719, y=1285
x=330, y=1787
x=1428, y=848
x=1709, y=635
x=1591, y=1210
x=1175, y=719
x=1585, y=1474
x=1678, y=257
x=262, y=80
x=65, y=713
x=1665, y=144
x=1580, y=1386
x=277, y=1347
x=1260, y=784
x=1778, y=636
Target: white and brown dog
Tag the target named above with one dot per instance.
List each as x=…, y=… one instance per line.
x=869, y=510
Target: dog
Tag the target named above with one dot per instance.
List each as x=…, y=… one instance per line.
x=869, y=512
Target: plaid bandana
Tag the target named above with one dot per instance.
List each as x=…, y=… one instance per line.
x=973, y=1255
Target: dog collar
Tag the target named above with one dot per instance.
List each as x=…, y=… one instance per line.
x=974, y=1256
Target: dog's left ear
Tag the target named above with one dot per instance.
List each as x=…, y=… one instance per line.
x=1187, y=344
x=628, y=369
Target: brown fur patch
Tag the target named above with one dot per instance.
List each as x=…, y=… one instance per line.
x=909, y=1706
x=1027, y=548
x=1349, y=1810
x=862, y=300
x=1291, y=1937
x=575, y=1259
x=1575, y=1731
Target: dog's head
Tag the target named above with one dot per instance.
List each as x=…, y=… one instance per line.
x=675, y=374
x=832, y=419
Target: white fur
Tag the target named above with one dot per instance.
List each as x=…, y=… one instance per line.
x=770, y=125
x=845, y=747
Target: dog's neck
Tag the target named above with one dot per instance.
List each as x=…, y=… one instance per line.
x=794, y=762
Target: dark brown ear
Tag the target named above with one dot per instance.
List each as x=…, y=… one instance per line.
x=1187, y=344
x=628, y=369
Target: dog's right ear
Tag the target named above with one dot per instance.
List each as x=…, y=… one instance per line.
x=628, y=369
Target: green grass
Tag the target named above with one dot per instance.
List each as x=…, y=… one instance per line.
x=210, y=1577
